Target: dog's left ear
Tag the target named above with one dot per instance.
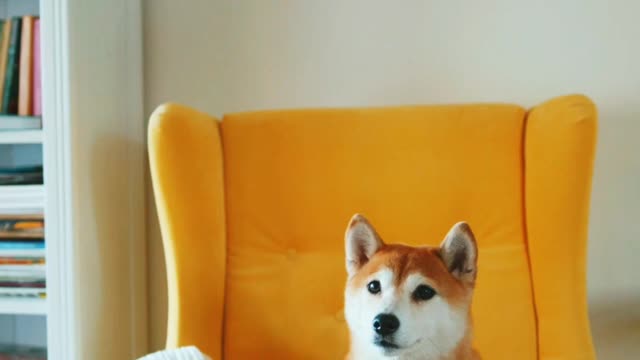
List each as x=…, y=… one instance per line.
x=460, y=252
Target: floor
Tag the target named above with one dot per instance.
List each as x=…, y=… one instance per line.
x=615, y=328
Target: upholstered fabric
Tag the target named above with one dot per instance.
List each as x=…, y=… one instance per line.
x=559, y=151
x=253, y=211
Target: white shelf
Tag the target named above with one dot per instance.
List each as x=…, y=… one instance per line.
x=21, y=137
x=23, y=306
x=21, y=199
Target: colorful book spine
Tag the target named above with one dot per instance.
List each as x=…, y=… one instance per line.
x=25, y=83
x=20, y=260
x=37, y=71
x=4, y=48
x=21, y=245
x=22, y=253
x=18, y=352
x=21, y=229
x=10, y=95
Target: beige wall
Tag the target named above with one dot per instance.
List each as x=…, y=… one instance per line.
x=227, y=55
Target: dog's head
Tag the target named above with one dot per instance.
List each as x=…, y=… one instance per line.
x=408, y=300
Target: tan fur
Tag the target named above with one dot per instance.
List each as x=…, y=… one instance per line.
x=405, y=260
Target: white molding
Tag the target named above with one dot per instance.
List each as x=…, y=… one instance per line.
x=61, y=317
x=94, y=179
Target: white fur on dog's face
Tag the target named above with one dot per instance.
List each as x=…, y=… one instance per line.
x=428, y=329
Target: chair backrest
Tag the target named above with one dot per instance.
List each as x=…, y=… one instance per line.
x=253, y=212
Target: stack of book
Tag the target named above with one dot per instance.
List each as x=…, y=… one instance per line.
x=21, y=175
x=20, y=75
x=22, y=257
x=18, y=352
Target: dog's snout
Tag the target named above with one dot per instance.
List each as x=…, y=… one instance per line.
x=385, y=324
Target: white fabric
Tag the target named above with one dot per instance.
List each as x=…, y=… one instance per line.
x=185, y=353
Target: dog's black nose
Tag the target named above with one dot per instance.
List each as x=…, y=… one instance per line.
x=385, y=324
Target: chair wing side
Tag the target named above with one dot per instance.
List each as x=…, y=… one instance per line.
x=560, y=139
x=185, y=154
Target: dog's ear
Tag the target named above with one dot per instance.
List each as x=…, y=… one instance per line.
x=459, y=252
x=361, y=242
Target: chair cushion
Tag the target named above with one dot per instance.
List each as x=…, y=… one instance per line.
x=294, y=178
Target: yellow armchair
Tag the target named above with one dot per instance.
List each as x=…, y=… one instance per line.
x=253, y=208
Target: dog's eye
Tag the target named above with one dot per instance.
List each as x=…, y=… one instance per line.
x=374, y=287
x=423, y=292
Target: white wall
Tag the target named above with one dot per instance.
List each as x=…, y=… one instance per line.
x=227, y=55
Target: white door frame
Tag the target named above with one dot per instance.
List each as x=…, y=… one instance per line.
x=95, y=220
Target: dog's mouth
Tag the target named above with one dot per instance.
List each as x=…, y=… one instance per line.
x=386, y=344
x=389, y=346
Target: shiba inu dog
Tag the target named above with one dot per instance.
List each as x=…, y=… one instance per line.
x=408, y=303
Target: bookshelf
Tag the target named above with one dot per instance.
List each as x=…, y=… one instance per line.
x=21, y=137
x=22, y=319
x=92, y=147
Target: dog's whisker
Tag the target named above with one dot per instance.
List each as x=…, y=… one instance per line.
x=439, y=352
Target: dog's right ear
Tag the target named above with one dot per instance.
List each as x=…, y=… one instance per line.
x=361, y=242
x=459, y=252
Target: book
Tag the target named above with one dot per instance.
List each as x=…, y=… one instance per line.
x=21, y=260
x=28, y=175
x=22, y=292
x=25, y=90
x=21, y=169
x=36, y=254
x=24, y=234
x=33, y=268
x=4, y=48
x=32, y=216
x=20, y=245
x=37, y=71
x=10, y=122
x=22, y=283
x=28, y=274
x=23, y=227
x=22, y=352
x=26, y=280
x=10, y=95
